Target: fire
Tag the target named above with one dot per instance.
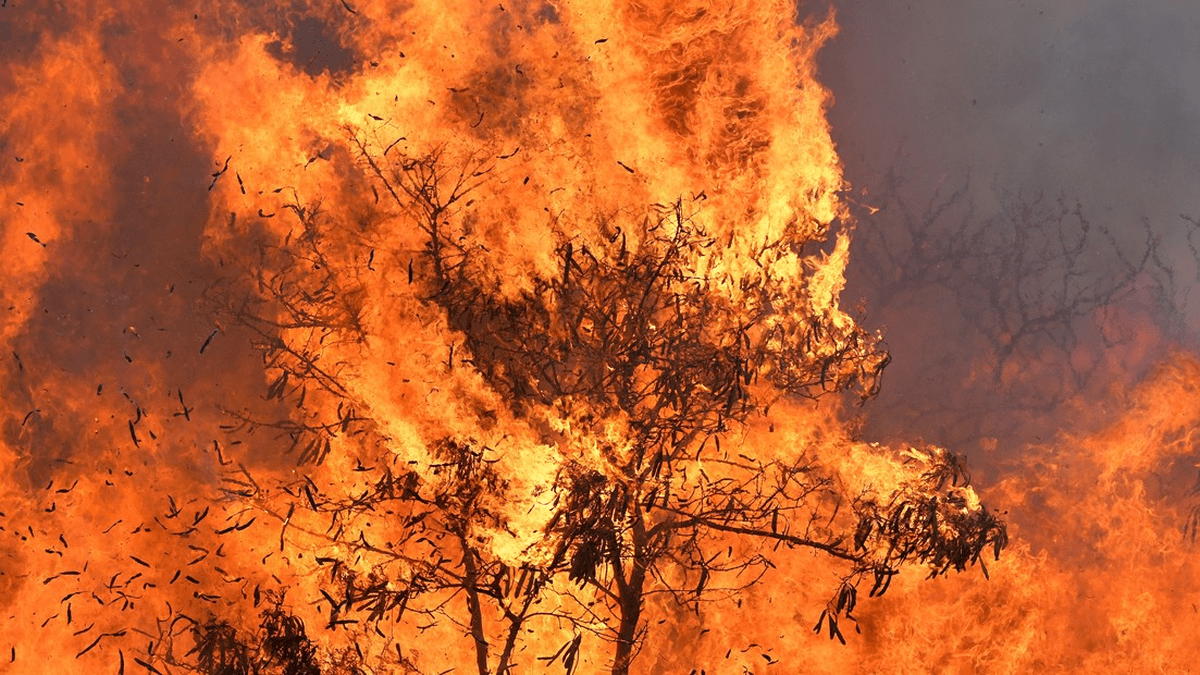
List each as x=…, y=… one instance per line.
x=46, y=195
x=495, y=337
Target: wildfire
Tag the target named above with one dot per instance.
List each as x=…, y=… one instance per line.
x=490, y=338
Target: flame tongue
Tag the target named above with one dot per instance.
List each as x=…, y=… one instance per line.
x=591, y=249
x=535, y=290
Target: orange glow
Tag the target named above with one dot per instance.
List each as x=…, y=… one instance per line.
x=346, y=361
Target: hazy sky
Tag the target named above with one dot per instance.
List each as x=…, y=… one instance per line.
x=1095, y=101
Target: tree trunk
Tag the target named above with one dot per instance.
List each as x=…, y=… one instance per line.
x=631, y=614
x=630, y=597
x=474, y=608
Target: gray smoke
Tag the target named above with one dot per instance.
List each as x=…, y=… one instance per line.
x=953, y=117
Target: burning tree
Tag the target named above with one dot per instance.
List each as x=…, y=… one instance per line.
x=628, y=363
x=544, y=303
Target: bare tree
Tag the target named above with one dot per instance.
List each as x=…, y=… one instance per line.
x=1027, y=289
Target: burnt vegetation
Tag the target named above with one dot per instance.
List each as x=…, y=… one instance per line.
x=281, y=646
x=630, y=333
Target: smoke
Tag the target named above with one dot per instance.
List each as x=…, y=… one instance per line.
x=148, y=160
x=953, y=118
x=1020, y=172
x=1093, y=100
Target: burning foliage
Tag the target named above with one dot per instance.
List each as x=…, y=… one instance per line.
x=628, y=365
x=514, y=342
x=282, y=647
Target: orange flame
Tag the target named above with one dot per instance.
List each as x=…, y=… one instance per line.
x=170, y=366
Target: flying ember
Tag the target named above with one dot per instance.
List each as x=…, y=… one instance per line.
x=374, y=337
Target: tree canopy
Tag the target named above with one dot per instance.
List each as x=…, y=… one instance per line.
x=632, y=364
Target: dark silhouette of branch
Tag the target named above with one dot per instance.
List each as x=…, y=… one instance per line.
x=629, y=333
